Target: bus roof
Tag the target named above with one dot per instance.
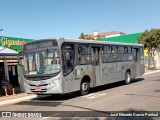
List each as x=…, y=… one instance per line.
x=86, y=41
x=100, y=42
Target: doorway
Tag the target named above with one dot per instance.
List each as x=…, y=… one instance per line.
x=95, y=53
x=13, y=75
x=136, y=61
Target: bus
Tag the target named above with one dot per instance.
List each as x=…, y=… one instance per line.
x=60, y=66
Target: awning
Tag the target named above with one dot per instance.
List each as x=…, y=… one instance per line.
x=6, y=53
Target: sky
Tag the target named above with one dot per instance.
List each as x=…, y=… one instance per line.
x=36, y=19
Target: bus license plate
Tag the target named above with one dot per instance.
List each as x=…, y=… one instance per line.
x=37, y=89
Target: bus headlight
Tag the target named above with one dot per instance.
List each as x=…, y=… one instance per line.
x=52, y=84
x=26, y=83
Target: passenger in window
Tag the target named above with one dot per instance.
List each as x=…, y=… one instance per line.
x=69, y=59
x=72, y=59
x=82, y=59
x=57, y=60
x=125, y=49
x=112, y=50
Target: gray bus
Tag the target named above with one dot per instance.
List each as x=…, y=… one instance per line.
x=59, y=66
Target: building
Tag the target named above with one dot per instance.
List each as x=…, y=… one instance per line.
x=132, y=38
x=97, y=34
x=9, y=48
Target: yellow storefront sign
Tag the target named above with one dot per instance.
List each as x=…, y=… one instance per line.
x=9, y=43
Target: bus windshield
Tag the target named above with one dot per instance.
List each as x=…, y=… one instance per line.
x=41, y=62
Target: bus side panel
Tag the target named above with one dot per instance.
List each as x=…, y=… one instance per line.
x=110, y=72
x=113, y=72
x=68, y=82
x=121, y=70
x=72, y=81
x=130, y=66
x=124, y=67
x=142, y=69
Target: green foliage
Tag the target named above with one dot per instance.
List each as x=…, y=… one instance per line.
x=82, y=36
x=150, y=39
x=88, y=37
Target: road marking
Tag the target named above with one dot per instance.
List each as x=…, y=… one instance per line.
x=93, y=95
x=44, y=118
x=53, y=115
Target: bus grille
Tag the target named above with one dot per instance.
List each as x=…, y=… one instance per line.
x=38, y=85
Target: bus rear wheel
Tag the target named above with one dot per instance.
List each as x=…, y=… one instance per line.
x=84, y=87
x=127, y=77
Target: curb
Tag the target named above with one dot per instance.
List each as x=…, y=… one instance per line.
x=151, y=72
x=16, y=100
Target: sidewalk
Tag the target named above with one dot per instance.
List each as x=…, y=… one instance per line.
x=11, y=99
x=151, y=71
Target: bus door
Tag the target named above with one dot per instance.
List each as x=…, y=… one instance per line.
x=96, y=58
x=136, y=61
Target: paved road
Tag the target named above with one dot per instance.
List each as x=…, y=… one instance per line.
x=141, y=95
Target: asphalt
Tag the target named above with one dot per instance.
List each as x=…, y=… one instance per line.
x=11, y=99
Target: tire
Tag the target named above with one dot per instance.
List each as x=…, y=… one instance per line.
x=84, y=87
x=127, y=78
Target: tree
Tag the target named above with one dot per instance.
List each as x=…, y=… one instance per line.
x=88, y=37
x=82, y=36
x=151, y=40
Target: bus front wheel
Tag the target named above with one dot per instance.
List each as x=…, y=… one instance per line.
x=127, y=77
x=84, y=87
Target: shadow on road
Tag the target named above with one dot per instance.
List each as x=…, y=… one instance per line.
x=40, y=103
x=113, y=85
x=129, y=114
x=92, y=90
x=59, y=97
x=156, y=90
x=143, y=95
x=156, y=80
x=137, y=80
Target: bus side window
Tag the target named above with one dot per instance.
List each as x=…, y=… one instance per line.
x=69, y=56
x=114, y=53
x=121, y=53
x=84, y=54
x=106, y=54
x=129, y=55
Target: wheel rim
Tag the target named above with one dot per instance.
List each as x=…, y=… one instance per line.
x=84, y=86
x=128, y=78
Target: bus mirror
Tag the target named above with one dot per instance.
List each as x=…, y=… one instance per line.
x=20, y=55
x=20, y=64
